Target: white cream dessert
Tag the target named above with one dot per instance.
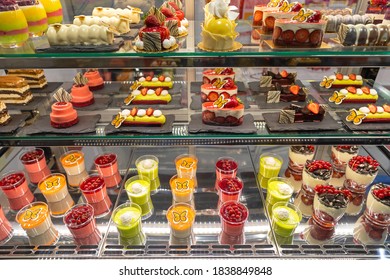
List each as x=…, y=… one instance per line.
x=316, y=172
x=343, y=154
x=120, y=23
x=362, y=170
x=72, y=34
x=378, y=203
x=133, y=14
x=298, y=155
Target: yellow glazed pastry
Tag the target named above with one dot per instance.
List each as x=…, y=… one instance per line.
x=218, y=29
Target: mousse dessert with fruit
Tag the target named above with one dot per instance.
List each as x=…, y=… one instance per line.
x=95, y=81
x=212, y=91
x=315, y=172
x=34, y=162
x=223, y=111
x=230, y=189
x=225, y=167
x=95, y=193
x=372, y=226
x=233, y=217
x=6, y=231
x=107, y=166
x=360, y=173
x=298, y=155
x=138, y=190
x=210, y=76
x=182, y=189
x=13, y=25
x=340, y=156
x=181, y=217
x=81, y=223
x=15, y=187
x=81, y=95
x=285, y=11
x=127, y=218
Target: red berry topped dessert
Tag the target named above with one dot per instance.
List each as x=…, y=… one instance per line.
x=234, y=212
x=343, y=153
x=362, y=170
x=230, y=185
x=292, y=93
x=306, y=29
x=378, y=203
x=12, y=180
x=212, y=75
x=316, y=172
x=220, y=86
x=177, y=6
x=223, y=111
x=172, y=21
x=226, y=166
x=32, y=156
x=154, y=36
x=92, y=184
x=106, y=159
x=285, y=11
x=284, y=78
x=78, y=216
x=312, y=112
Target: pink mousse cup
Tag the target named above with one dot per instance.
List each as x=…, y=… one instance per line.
x=34, y=162
x=6, y=231
x=15, y=187
x=107, y=166
x=226, y=167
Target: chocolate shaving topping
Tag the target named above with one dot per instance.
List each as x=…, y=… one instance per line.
x=336, y=201
x=302, y=149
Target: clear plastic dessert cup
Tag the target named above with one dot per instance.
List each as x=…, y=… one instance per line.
x=13, y=26
x=53, y=10
x=182, y=189
x=15, y=187
x=35, y=220
x=368, y=231
x=233, y=217
x=35, y=15
x=230, y=189
x=304, y=201
x=81, y=223
x=107, y=166
x=181, y=217
x=226, y=167
x=55, y=190
x=279, y=190
x=127, y=218
x=74, y=165
x=147, y=166
x=34, y=162
x=285, y=218
x=6, y=231
x=186, y=166
x=95, y=193
x=326, y=214
x=138, y=191
x=270, y=165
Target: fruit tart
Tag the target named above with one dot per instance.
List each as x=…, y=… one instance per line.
x=354, y=95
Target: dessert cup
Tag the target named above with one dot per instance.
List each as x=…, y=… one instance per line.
x=107, y=166
x=35, y=219
x=55, y=190
x=270, y=165
x=34, y=162
x=138, y=190
x=285, y=218
x=233, y=217
x=95, y=193
x=186, y=166
x=127, y=218
x=340, y=156
x=81, y=223
x=181, y=217
x=15, y=188
x=35, y=15
x=278, y=190
x=182, y=189
x=74, y=165
x=147, y=166
x=226, y=167
x=226, y=239
x=13, y=25
x=6, y=231
x=230, y=189
x=360, y=172
x=53, y=10
x=372, y=226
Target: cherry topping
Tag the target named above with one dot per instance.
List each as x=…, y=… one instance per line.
x=32, y=156
x=234, y=212
x=12, y=180
x=92, y=183
x=230, y=184
x=381, y=191
x=363, y=164
x=227, y=165
x=329, y=189
x=78, y=216
x=105, y=159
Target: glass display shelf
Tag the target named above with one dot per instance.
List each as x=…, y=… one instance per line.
x=205, y=241
x=253, y=53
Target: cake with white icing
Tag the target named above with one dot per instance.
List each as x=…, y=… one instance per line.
x=120, y=23
x=334, y=21
x=133, y=14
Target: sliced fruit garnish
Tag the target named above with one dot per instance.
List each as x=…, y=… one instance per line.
x=302, y=35
x=352, y=76
x=133, y=112
x=277, y=32
x=366, y=90
x=339, y=76
x=288, y=36
x=270, y=22
x=161, y=78
x=225, y=95
x=313, y=107
x=316, y=37
x=284, y=73
x=294, y=89
x=351, y=90
x=158, y=91
x=149, y=112
x=372, y=108
x=144, y=91
x=212, y=96
x=258, y=16
x=386, y=108
x=148, y=78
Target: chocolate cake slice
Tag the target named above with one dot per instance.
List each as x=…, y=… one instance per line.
x=270, y=78
x=14, y=90
x=293, y=93
x=35, y=78
x=312, y=112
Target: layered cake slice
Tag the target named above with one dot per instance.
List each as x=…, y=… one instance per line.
x=4, y=116
x=63, y=114
x=293, y=93
x=14, y=90
x=35, y=78
x=212, y=75
x=269, y=78
x=354, y=95
x=340, y=80
x=312, y=112
x=211, y=92
x=139, y=117
x=223, y=112
x=369, y=114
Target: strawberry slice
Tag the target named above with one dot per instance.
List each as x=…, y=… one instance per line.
x=294, y=89
x=213, y=96
x=351, y=90
x=339, y=76
x=225, y=95
x=352, y=77
x=372, y=108
x=133, y=112
x=284, y=73
x=149, y=112
x=144, y=91
x=158, y=91
x=313, y=107
x=148, y=78
x=161, y=78
x=366, y=90
x=386, y=108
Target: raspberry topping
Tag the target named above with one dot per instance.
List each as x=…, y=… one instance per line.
x=227, y=165
x=364, y=165
x=297, y=7
x=32, y=156
x=230, y=184
x=78, y=216
x=152, y=21
x=232, y=103
x=319, y=169
x=316, y=17
x=229, y=83
x=12, y=180
x=382, y=192
x=8, y=5
x=347, y=149
x=308, y=149
x=333, y=197
x=92, y=184
x=167, y=12
x=105, y=159
x=227, y=71
x=234, y=212
x=61, y=103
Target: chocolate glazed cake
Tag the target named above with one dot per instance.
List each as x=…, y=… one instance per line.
x=298, y=114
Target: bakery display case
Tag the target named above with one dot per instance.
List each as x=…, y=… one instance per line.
x=182, y=175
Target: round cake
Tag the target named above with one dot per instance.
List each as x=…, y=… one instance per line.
x=63, y=115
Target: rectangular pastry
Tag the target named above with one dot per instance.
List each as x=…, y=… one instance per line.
x=312, y=112
x=15, y=90
x=139, y=117
x=35, y=78
x=4, y=116
x=364, y=35
x=369, y=114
